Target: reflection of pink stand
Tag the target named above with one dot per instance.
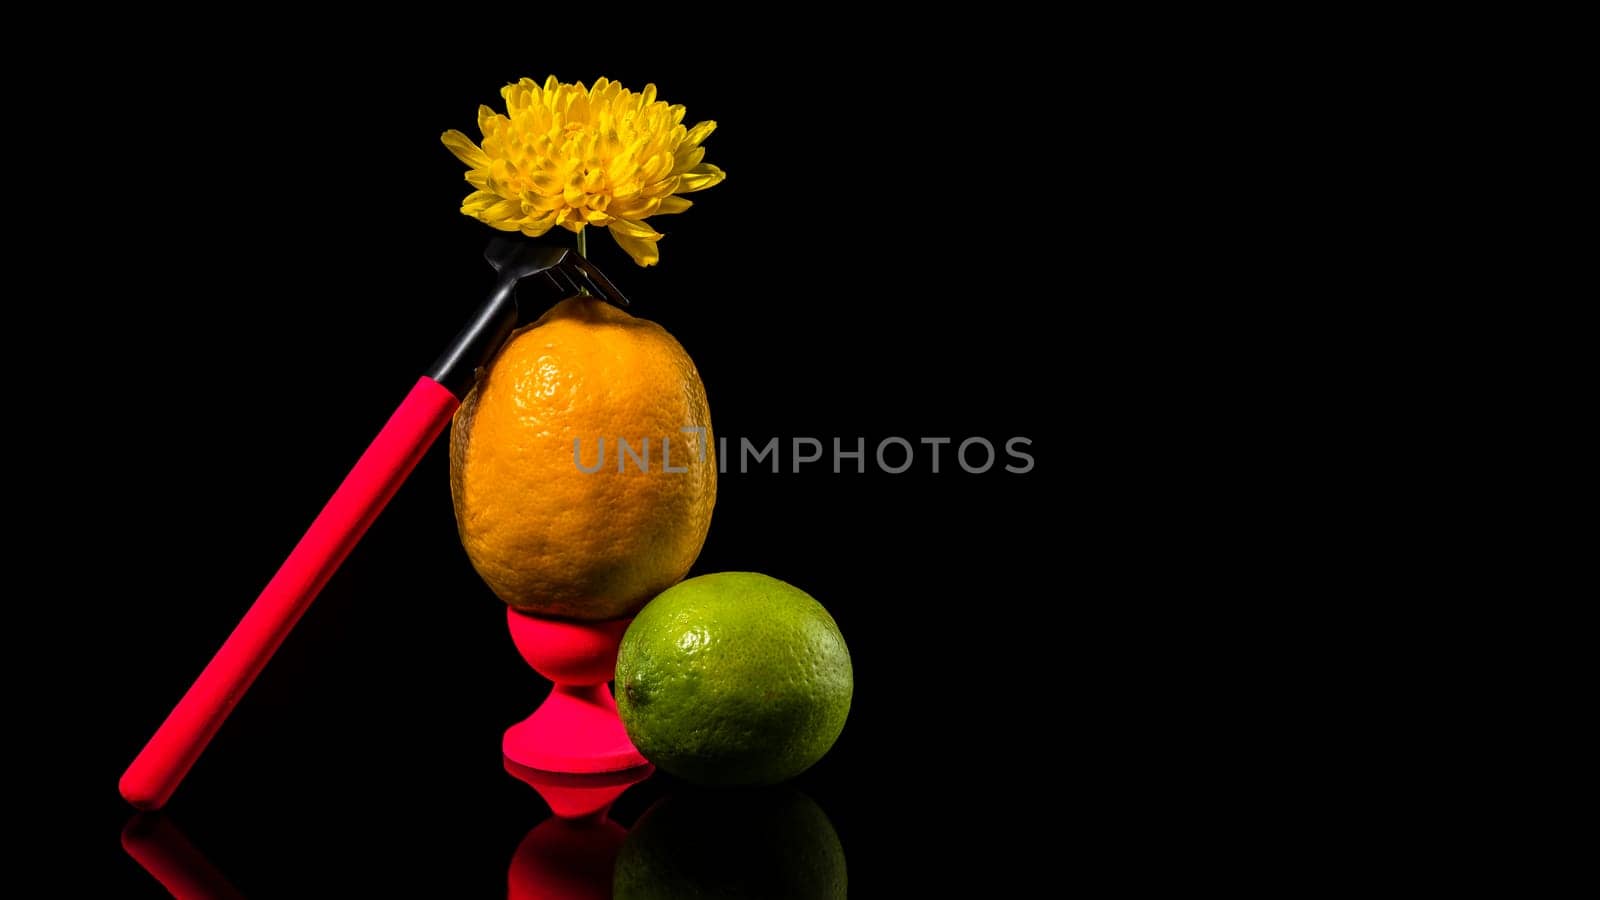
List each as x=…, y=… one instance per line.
x=570, y=855
x=576, y=730
x=580, y=796
x=565, y=860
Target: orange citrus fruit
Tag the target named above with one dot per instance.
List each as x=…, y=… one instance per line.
x=582, y=464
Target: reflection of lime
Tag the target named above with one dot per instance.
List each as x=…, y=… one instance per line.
x=745, y=844
x=733, y=678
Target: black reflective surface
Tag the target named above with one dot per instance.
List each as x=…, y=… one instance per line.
x=761, y=842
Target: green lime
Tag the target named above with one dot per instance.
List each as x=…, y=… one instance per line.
x=769, y=843
x=733, y=679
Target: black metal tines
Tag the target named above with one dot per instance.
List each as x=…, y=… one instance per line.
x=563, y=268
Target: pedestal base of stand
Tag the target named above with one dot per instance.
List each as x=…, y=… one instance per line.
x=576, y=731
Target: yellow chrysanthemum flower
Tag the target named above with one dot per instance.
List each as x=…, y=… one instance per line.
x=570, y=156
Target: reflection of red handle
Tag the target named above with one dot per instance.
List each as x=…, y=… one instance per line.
x=164, y=761
x=163, y=851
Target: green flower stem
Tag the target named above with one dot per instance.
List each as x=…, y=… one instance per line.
x=583, y=251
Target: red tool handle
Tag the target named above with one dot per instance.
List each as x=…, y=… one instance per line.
x=163, y=762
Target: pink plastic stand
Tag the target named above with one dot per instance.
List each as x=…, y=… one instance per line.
x=576, y=730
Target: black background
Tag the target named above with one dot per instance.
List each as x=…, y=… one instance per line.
x=889, y=255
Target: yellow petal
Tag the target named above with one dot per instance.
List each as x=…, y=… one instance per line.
x=700, y=132
x=478, y=201
x=624, y=164
x=547, y=183
x=478, y=178
x=578, y=105
x=655, y=167
x=505, y=209
x=635, y=229
x=700, y=177
x=536, y=203
x=644, y=252
x=687, y=158
x=670, y=205
x=635, y=207
x=464, y=149
x=536, y=227
x=664, y=187
x=486, y=119
x=518, y=95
